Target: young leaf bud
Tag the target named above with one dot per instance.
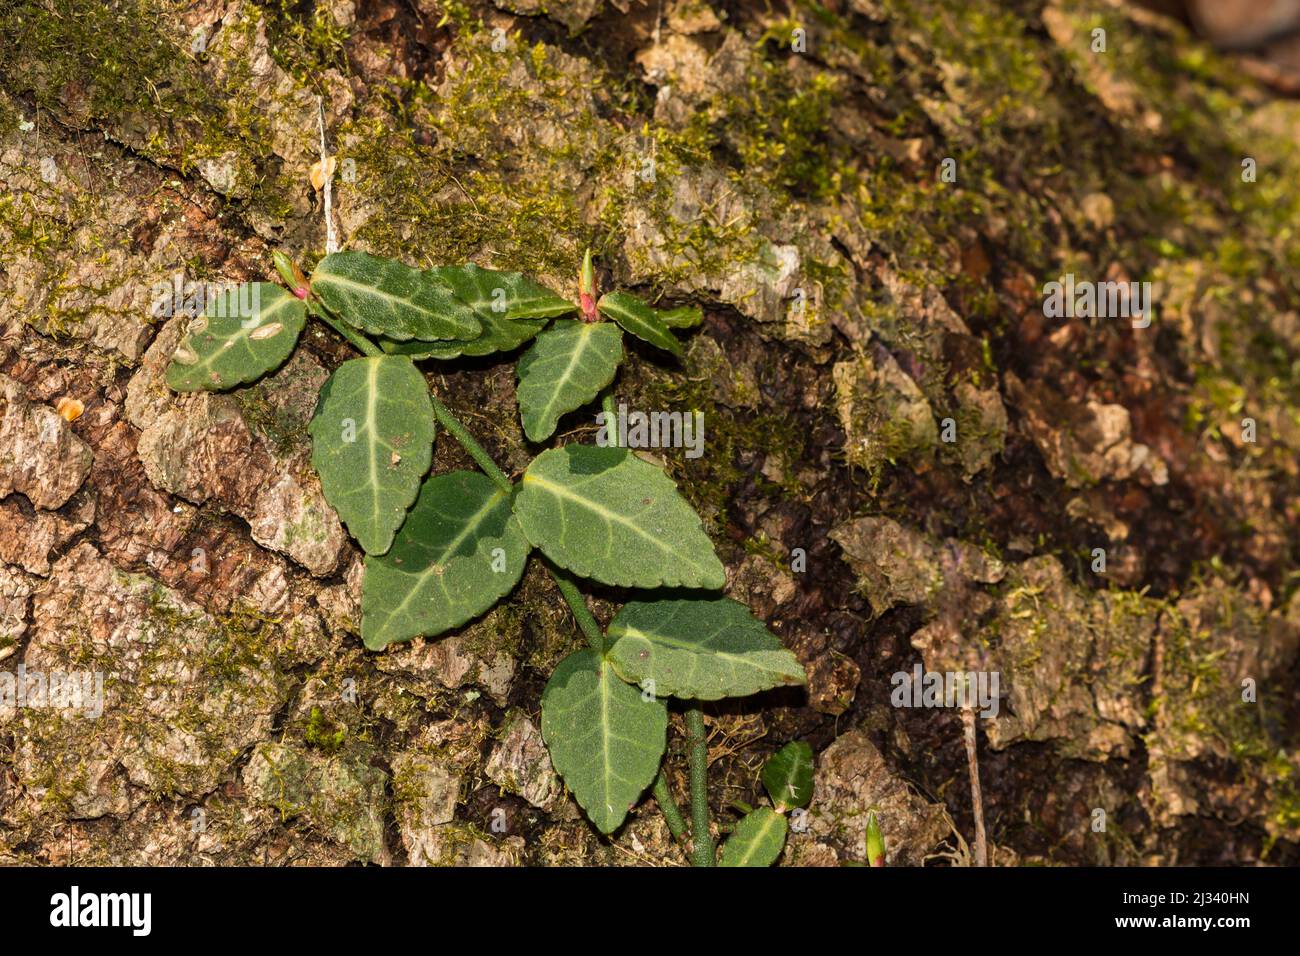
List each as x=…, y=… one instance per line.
x=291, y=274
x=875, y=842
x=587, y=288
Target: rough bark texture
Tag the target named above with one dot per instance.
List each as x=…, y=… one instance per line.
x=786, y=170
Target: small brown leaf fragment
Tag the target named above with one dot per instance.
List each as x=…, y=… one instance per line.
x=69, y=408
x=319, y=175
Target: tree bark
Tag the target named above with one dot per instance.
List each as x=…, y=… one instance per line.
x=910, y=458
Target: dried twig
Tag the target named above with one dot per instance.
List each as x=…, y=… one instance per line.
x=977, y=799
x=331, y=240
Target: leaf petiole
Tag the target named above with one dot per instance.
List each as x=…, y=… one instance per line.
x=355, y=338
x=702, y=853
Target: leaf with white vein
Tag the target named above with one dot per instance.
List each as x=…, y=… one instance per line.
x=699, y=649
x=372, y=442
x=757, y=840
x=459, y=551
x=605, y=738
x=788, y=776
x=384, y=297
x=639, y=319
x=511, y=309
x=604, y=513
x=243, y=334
x=566, y=368
x=499, y=335
x=508, y=295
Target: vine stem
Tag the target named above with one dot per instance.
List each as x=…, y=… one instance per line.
x=471, y=445
x=698, y=754
x=663, y=794
x=355, y=338
x=611, y=417
x=587, y=622
x=578, y=605
x=668, y=806
x=572, y=596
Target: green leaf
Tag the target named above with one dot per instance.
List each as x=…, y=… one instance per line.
x=372, y=442
x=639, y=319
x=459, y=552
x=604, y=513
x=757, y=840
x=567, y=367
x=683, y=317
x=387, y=298
x=511, y=309
x=506, y=295
x=499, y=335
x=699, y=649
x=244, y=334
x=606, y=739
x=788, y=776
